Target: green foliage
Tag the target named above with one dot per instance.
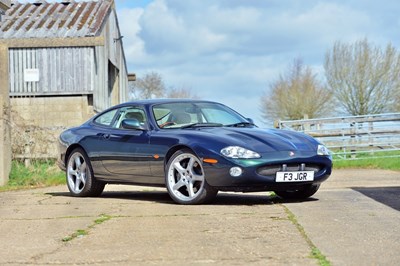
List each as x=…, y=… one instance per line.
x=102, y=219
x=315, y=252
x=38, y=174
x=78, y=233
x=373, y=163
x=82, y=232
x=388, y=160
x=322, y=260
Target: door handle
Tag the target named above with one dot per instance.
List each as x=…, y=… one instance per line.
x=104, y=135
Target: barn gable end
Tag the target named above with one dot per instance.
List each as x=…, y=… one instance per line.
x=65, y=61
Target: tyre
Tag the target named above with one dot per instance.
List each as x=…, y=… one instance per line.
x=303, y=193
x=185, y=179
x=80, y=178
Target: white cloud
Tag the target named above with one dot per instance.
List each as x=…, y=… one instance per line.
x=130, y=29
x=231, y=50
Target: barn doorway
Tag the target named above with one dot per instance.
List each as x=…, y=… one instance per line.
x=113, y=83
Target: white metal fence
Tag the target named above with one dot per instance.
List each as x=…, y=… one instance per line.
x=353, y=137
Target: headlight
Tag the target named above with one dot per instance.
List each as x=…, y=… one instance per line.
x=322, y=150
x=239, y=153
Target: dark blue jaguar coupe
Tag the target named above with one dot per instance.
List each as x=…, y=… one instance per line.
x=193, y=148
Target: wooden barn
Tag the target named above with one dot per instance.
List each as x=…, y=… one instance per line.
x=60, y=62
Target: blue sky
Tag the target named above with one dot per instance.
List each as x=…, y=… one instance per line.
x=232, y=50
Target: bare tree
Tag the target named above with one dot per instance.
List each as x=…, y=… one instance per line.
x=152, y=86
x=181, y=93
x=397, y=106
x=295, y=94
x=363, y=78
x=148, y=87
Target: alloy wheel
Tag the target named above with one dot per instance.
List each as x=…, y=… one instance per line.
x=77, y=172
x=185, y=177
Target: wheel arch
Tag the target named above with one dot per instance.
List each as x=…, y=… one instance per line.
x=70, y=149
x=175, y=149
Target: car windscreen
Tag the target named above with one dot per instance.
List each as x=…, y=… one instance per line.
x=182, y=115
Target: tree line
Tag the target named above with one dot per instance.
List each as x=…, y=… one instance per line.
x=360, y=79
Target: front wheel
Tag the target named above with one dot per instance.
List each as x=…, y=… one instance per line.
x=80, y=178
x=185, y=179
x=302, y=193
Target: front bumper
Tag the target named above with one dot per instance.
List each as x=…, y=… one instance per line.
x=62, y=149
x=260, y=174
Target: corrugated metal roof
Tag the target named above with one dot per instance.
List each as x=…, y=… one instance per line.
x=4, y=4
x=54, y=20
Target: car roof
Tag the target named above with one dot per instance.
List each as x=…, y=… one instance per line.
x=162, y=101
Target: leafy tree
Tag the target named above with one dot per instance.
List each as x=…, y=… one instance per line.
x=295, y=94
x=363, y=78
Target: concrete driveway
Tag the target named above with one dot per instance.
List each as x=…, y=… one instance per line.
x=354, y=219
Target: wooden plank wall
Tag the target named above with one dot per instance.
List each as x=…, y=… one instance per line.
x=63, y=70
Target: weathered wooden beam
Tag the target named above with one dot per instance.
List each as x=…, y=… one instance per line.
x=53, y=42
x=5, y=138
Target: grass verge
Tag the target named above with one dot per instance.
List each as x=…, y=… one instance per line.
x=387, y=163
x=38, y=174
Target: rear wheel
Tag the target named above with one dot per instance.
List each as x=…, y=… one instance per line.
x=302, y=193
x=185, y=179
x=80, y=178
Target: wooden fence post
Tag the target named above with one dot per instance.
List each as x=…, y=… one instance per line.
x=353, y=139
x=370, y=132
x=5, y=137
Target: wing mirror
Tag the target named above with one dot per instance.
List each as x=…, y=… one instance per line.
x=132, y=123
x=250, y=120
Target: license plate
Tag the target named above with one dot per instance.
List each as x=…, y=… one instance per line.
x=299, y=176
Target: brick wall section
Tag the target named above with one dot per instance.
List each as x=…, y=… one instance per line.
x=53, y=115
x=61, y=111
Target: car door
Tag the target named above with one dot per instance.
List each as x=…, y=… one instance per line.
x=124, y=153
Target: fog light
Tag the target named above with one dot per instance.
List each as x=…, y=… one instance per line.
x=235, y=171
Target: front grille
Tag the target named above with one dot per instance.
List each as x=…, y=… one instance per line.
x=271, y=170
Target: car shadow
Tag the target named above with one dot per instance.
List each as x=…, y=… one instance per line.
x=151, y=196
x=221, y=199
x=155, y=196
x=242, y=199
x=390, y=196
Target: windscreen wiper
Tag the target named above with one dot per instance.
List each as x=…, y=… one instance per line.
x=202, y=125
x=241, y=124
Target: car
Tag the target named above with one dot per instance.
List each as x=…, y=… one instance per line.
x=194, y=148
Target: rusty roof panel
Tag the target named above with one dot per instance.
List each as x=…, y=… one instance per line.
x=54, y=20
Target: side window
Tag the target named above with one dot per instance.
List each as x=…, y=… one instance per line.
x=131, y=113
x=106, y=119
